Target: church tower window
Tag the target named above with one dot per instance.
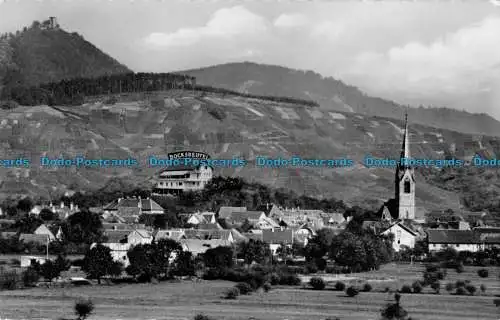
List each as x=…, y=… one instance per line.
x=407, y=186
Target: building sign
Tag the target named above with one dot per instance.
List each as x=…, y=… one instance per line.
x=188, y=154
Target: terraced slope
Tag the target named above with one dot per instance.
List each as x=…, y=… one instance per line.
x=225, y=127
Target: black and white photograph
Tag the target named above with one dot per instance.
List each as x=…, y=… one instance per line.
x=249, y=160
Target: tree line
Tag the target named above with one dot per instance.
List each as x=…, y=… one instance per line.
x=74, y=91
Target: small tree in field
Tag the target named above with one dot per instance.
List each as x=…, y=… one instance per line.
x=394, y=311
x=83, y=309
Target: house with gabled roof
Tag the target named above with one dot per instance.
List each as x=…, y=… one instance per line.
x=252, y=217
x=127, y=208
x=277, y=238
x=404, y=236
x=224, y=212
x=41, y=239
x=199, y=246
x=43, y=230
x=202, y=217
x=174, y=234
x=210, y=234
x=460, y=240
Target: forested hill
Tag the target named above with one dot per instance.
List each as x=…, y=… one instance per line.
x=333, y=94
x=40, y=54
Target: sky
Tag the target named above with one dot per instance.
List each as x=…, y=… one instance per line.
x=442, y=53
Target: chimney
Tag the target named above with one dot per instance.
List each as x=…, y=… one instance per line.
x=62, y=204
x=267, y=206
x=71, y=206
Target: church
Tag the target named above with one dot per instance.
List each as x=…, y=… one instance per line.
x=402, y=206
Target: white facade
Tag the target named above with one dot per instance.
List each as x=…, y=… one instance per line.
x=176, y=181
x=402, y=237
x=472, y=247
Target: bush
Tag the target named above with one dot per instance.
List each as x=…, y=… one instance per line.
x=317, y=283
x=84, y=308
x=460, y=268
x=406, y=289
x=460, y=283
x=483, y=288
x=30, y=277
x=352, y=291
x=339, y=286
x=367, y=287
x=232, y=293
x=310, y=268
x=202, y=317
x=449, y=287
x=329, y=270
x=471, y=289
x=417, y=287
x=274, y=278
x=483, y=273
x=267, y=287
x=320, y=264
x=460, y=291
x=436, y=286
x=244, y=288
x=290, y=280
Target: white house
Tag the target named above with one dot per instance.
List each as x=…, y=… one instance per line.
x=202, y=217
x=460, y=240
x=403, y=236
x=43, y=230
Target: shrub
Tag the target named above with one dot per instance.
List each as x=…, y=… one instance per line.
x=483, y=288
x=497, y=302
x=417, y=287
x=352, y=291
x=460, y=268
x=290, y=280
x=460, y=291
x=310, y=268
x=267, y=287
x=339, y=286
x=483, y=273
x=202, y=317
x=244, y=288
x=274, y=278
x=406, y=289
x=320, y=264
x=30, y=277
x=15, y=262
x=8, y=280
x=317, y=283
x=436, y=286
x=367, y=287
x=84, y=308
x=471, y=289
x=329, y=270
x=232, y=293
x=460, y=283
x=449, y=287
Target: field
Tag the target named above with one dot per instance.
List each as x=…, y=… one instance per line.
x=183, y=300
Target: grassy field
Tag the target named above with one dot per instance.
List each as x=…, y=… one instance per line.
x=183, y=300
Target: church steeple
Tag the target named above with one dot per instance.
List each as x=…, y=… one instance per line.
x=405, y=180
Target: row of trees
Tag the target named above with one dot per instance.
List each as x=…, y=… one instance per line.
x=74, y=91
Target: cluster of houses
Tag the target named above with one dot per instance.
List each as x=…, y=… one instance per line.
x=271, y=224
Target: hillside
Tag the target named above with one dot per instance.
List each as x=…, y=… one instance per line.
x=333, y=94
x=225, y=126
x=41, y=55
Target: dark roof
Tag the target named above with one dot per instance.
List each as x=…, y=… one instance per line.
x=207, y=234
x=392, y=206
x=182, y=167
x=226, y=211
x=452, y=236
x=117, y=236
x=404, y=227
x=146, y=204
x=275, y=237
x=240, y=217
x=38, y=238
x=116, y=226
x=209, y=226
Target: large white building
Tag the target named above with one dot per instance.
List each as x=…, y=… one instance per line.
x=183, y=177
